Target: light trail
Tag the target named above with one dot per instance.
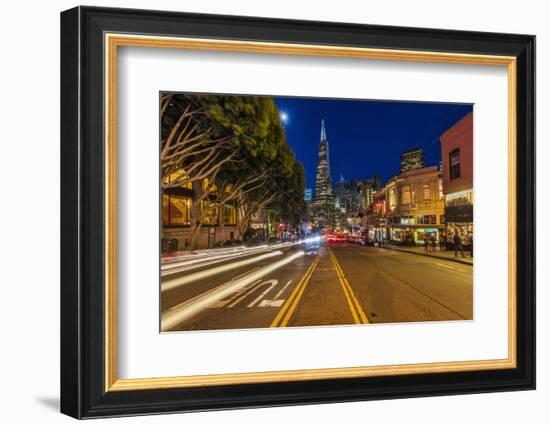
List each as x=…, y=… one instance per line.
x=192, y=264
x=211, y=255
x=172, y=318
x=179, y=281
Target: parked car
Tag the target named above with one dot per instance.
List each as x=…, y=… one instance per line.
x=228, y=243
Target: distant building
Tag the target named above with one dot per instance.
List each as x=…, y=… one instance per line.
x=323, y=202
x=353, y=197
x=367, y=189
x=412, y=159
x=457, y=173
x=308, y=195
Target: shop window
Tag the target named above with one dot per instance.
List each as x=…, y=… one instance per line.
x=454, y=161
x=427, y=219
x=175, y=210
x=407, y=220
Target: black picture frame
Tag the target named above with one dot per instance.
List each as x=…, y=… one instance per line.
x=83, y=392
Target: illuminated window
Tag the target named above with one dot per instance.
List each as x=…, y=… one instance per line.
x=392, y=198
x=229, y=215
x=210, y=213
x=406, y=195
x=454, y=161
x=175, y=210
x=426, y=192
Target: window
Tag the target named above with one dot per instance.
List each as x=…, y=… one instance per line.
x=407, y=220
x=406, y=195
x=210, y=213
x=175, y=210
x=427, y=219
x=229, y=215
x=426, y=192
x=454, y=162
x=392, y=198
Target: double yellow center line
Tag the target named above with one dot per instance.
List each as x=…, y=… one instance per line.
x=357, y=312
x=289, y=306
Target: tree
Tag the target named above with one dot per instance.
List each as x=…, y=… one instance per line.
x=232, y=149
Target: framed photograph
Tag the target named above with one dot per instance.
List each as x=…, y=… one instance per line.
x=261, y=212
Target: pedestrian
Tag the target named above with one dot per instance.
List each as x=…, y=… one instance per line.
x=442, y=242
x=458, y=245
x=426, y=243
x=433, y=242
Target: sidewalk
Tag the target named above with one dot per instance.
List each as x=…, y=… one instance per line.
x=447, y=255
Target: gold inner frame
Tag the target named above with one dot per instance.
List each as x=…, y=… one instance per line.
x=113, y=41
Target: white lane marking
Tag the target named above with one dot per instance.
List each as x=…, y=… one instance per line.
x=174, y=283
x=271, y=303
x=272, y=283
x=282, y=290
x=172, y=318
x=446, y=266
x=251, y=288
x=223, y=303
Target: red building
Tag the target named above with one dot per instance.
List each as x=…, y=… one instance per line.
x=457, y=173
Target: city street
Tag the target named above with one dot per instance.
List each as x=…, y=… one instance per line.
x=285, y=285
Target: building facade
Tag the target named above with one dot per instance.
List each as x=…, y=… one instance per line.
x=414, y=206
x=323, y=201
x=412, y=159
x=374, y=219
x=457, y=166
x=218, y=223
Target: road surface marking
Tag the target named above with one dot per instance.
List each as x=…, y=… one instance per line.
x=272, y=283
x=170, y=319
x=292, y=301
x=282, y=290
x=174, y=283
x=446, y=266
x=357, y=312
x=249, y=289
x=271, y=303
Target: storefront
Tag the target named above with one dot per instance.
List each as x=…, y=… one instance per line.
x=459, y=216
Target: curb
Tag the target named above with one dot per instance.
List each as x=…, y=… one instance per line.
x=456, y=260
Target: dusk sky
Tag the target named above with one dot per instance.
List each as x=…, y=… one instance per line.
x=365, y=137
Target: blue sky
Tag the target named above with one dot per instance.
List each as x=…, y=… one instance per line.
x=365, y=137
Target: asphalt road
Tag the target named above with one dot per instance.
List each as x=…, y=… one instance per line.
x=338, y=284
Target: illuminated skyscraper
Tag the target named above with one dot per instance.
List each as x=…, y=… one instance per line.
x=323, y=202
x=412, y=159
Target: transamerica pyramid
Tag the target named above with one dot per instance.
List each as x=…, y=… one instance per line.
x=323, y=202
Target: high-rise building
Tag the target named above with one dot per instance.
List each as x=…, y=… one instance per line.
x=323, y=202
x=367, y=188
x=308, y=195
x=412, y=159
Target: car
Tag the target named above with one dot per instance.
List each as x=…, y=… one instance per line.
x=312, y=243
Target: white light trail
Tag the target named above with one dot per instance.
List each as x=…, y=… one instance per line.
x=172, y=318
x=174, y=283
x=192, y=261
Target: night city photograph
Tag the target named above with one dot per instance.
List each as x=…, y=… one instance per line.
x=294, y=211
